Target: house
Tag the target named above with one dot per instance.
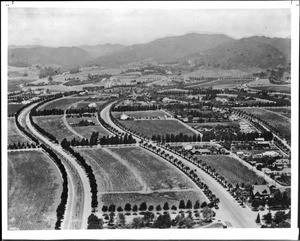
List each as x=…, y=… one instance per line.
x=271, y=154
x=91, y=105
x=240, y=154
x=188, y=147
x=260, y=191
x=204, y=151
x=124, y=117
x=281, y=163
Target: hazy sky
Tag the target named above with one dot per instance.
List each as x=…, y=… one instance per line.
x=71, y=27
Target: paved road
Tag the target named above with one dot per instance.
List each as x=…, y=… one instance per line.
x=229, y=210
x=71, y=208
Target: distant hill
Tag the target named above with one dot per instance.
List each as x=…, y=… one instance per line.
x=167, y=49
x=62, y=56
x=102, y=49
x=242, y=54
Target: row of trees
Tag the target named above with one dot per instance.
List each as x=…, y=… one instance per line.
x=176, y=138
x=88, y=170
x=20, y=145
x=64, y=196
x=81, y=111
x=143, y=207
x=124, y=108
x=44, y=112
x=279, y=220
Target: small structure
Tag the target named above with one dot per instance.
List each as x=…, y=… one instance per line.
x=91, y=105
x=188, y=147
x=271, y=153
x=124, y=117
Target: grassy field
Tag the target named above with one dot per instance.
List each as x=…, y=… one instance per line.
x=61, y=103
x=212, y=124
x=142, y=114
x=285, y=111
x=231, y=169
x=55, y=126
x=14, y=135
x=283, y=125
x=34, y=188
x=155, y=127
x=86, y=131
x=158, y=174
x=12, y=108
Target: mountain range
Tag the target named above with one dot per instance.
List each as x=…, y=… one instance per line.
x=214, y=50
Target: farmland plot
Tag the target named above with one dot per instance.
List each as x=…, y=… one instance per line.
x=281, y=123
x=13, y=108
x=55, y=126
x=34, y=189
x=14, y=135
x=62, y=103
x=285, y=111
x=157, y=127
x=231, y=169
x=158, y=174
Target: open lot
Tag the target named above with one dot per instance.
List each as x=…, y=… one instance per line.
x=14, y=135
x=285, y=111
x=34, y=188
x=13, y=107
x=142, y=114
x=63, y=103
x=55, y=126
x=281, y=123
x=231, y=169
x=134, y=175
x=157, y=127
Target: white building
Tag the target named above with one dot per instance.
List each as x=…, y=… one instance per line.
x=124, y=117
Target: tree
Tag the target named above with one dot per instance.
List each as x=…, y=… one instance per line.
x=174, y=208
x=258, y=218
x=279, y=217
x=127, y=207
x=204, y=204
x=163, y=221
x=137, y=223
x=120, y=209
x=166, y=206
x=143, y=206
x=111, y=218
x=255, y=203
x=135, y=208
x=104, y=208
x=112, y=208
x=197, y=205
x=186, y=223
x=150, y=208
x=268, y=218
x=158, y=208
x=94, y=222
x=182, y=204
x=189, y=204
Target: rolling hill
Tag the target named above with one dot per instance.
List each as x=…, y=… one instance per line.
x=61, y=56
x=167, y=49
x=102, y=49
x=241, y=54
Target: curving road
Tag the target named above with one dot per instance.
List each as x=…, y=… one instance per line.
x=74, y=218
x=230, y=211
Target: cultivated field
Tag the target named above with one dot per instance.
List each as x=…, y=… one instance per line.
x=285, y=111
x=34, y=189
x=282, y=124
x=142, y=114
x=157, y=127
x=14, y=135
x=158, y=174
x=55, y=126
x=231, y=169
x=13, y=108
x=63, y=103
x=134, y=175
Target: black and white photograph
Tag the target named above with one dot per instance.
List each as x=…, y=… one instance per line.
x=168, y=120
